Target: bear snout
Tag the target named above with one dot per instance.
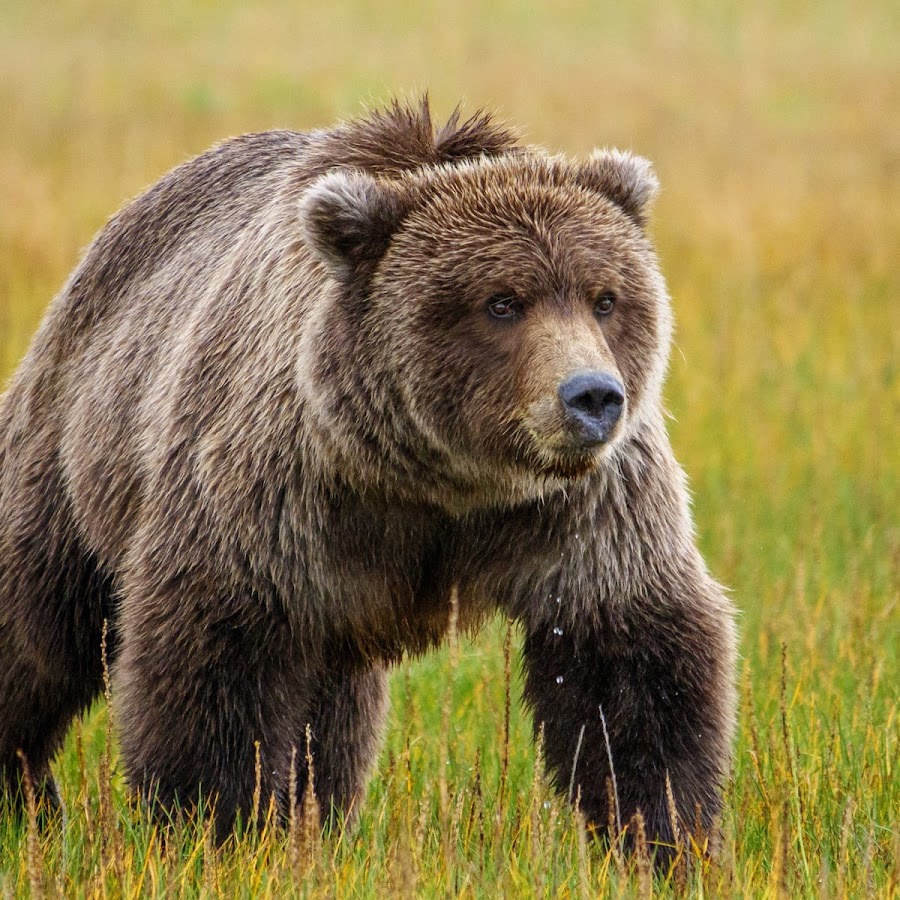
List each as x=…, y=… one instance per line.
x=592, y=403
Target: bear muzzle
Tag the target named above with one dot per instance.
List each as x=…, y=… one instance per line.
x=592, y=403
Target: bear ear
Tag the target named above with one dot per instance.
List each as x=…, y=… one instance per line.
x=626, y=179
x=349, y=217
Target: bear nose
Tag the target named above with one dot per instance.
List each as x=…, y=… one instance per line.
x=592, y=402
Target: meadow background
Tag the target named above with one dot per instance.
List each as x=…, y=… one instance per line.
x=774, y=129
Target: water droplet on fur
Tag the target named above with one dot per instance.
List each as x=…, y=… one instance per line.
x=559, y=679
x=546, y=804
x=558, y=631
x=559, y=600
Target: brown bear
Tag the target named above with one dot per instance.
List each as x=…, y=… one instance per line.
x=302, y=391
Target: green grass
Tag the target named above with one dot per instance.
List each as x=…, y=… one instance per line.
x=774, y=130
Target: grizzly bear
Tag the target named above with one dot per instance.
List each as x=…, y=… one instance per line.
x=304, y=390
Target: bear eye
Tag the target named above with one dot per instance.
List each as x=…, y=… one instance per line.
x=504, y=306
x=604, y=303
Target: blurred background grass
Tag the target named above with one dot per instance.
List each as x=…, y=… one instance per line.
x=774, y=129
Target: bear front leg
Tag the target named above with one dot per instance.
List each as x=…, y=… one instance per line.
x=202, y=678
x=192, y=692
x=643, y=697
x=346, y=719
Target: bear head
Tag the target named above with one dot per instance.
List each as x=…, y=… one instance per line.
x=495, y=328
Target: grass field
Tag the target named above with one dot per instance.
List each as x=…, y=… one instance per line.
x=775, y=133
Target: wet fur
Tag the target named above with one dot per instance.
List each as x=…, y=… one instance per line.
x=266, y=427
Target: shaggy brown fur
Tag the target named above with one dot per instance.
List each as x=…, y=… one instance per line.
x=297, y=391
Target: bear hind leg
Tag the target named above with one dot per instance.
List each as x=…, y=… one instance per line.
x=53, y=601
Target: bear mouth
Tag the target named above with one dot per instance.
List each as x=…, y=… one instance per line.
x=572, y=465
x=568, y=462
x=566, y=447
